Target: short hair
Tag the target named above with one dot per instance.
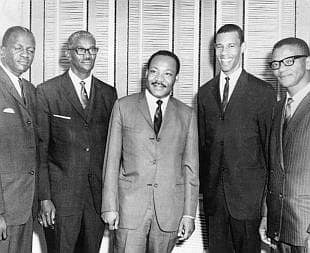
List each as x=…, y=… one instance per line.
x=231, y=28
x=77, y=35
x=13, y=31
x=292, y=41
x=165, y=53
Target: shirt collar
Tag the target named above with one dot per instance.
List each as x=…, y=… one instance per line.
x=13, y=77
x=299, y=96
x=233, y=77
x=76, y=79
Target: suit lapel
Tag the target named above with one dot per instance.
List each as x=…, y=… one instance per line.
x=278, y=125
x=144, y=109
x=169, y=115
x=68, y=87
x=94, y=94
x=9, y=87
x=216, y=91
x=301, y=111
x=237, y=93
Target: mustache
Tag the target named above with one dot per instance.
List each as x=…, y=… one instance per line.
x=159, y=84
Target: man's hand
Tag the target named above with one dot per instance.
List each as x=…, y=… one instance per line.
x=307, y=244
x=3, y=234
x=111, y=218
x=186, y=228
x=263, y=233
x=47, y=214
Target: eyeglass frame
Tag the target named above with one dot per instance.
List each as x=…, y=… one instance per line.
x=293, y=57
x=85, y=50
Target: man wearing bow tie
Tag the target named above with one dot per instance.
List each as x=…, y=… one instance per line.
x=150, y=188
x=73, y=115
x=18, y=152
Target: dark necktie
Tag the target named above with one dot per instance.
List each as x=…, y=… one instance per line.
x=21, y=85
x=287, y=114
x=225, y=94
x=83, y=93
x=158, y=117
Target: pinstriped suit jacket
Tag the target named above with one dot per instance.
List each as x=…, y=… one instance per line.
x=288, y=198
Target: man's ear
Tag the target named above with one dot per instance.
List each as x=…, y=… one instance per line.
x=243, y=47
x=2, y=51
x=68, y=54
x=308, y=63
x=177, y=77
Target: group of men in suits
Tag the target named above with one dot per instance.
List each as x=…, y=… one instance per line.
x=87, y=158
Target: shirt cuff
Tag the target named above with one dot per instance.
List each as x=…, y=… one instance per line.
x=188, y=216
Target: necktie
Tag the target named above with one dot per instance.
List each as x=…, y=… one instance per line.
x=287, y=113
x=158, y=117
x=84, y=97
x=225, y=94
x=21, y=85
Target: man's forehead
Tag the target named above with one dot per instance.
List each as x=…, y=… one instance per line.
x=286, y=51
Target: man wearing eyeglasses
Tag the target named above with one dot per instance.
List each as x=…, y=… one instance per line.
x=286, y=218
x=73, y=115
x=234, y=111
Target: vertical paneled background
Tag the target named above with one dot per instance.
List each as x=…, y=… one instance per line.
x=129, y=31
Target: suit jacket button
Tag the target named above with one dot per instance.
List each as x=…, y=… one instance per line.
x=31, y=172
x=280, y=195
x=154, y=162
x=87, y=149
x=86, y=125
x=29, y=122
x=155, y=185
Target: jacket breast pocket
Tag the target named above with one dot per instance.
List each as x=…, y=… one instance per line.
x=60, y=129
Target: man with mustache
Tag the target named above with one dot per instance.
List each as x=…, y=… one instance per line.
x=235, y=110
x=18, y=142
x=73, y=115
x=150, y=187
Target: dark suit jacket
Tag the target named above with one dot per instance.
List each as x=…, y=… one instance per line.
x=136, y=161
x=288, y=196
x=18, y=153
x=72, y=142
x=232, y=144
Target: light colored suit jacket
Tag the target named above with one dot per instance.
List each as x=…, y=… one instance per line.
x=288, y=196
x=135, y=158
x=18, y=153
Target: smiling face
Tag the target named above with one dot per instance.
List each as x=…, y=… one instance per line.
x=294, y=77
x=18, y=53
x=229, y=49
x=161, y=76
x=82, y=65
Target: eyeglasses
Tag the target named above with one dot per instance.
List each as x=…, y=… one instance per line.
x=288, y=61
x=82, y=51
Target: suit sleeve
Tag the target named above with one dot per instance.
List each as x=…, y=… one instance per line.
x=112, y=162
x=202, y=145
x=191, y=167
x=43, y=134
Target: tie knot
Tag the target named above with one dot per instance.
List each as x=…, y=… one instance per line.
x=159, y=102
x=227, y=79
x=82, y=83
x=289, y=101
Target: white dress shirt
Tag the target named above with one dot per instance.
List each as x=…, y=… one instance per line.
x=233, y=78
x=13, y=78
x=76, y=83
x=151, y=101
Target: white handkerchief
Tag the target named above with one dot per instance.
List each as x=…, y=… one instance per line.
x=8, y=110
x=61, y=116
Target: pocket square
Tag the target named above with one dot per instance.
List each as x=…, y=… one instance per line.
x=61, y=116
x=8, y=110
